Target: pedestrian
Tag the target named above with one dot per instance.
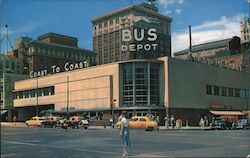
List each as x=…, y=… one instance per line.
x=111, y=121
x=206, y=121
x=166, y=121
x=158, y=120
x=172, y=121
x=201, y=123
x=124, y=133
x=14, y=119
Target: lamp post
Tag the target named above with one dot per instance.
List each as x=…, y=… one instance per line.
x=36, y=95
x=67, y=115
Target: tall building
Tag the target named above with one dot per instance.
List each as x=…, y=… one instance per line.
x=133, y=32
x=49, y=50
x=11, y=70
x=245, y=30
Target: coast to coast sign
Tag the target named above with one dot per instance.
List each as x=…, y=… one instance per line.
x=56, y=69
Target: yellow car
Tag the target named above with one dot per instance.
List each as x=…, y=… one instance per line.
x=35, y=121
x=142, y=122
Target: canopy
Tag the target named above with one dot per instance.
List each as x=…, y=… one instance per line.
x=234, y=113
x=3, y=111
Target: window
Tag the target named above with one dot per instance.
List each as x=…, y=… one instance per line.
x=117, y=21
x=223, y=91
x=237, y=92
x=216, y=90
x=231, y=92
x=111, y=23
x=209, y=89
x=142, y=119
x=105, y=24
x=100, y=26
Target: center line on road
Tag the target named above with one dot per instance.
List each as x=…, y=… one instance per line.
x=78, y=149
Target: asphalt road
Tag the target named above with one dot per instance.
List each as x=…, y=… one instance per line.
x=31, y=142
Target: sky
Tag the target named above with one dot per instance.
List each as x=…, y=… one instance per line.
x=210, y=19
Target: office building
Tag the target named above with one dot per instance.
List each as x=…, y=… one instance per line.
x=139, y=41
x=49, y=50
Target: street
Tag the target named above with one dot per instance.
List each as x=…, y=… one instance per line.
x=56, y=142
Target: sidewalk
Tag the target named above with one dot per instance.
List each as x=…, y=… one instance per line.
x=22, y=124
x=17, y=124
x=184, y=128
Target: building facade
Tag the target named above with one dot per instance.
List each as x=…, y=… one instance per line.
x=49, y=50
x=213, y=49
x=161, y=86
x=110, y=43
x=245, y=30
x=11, y=70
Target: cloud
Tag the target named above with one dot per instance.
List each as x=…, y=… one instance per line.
x=170, y=2
x=178, y=11
x=225, y=27
x=165, y=4
x=29, y=27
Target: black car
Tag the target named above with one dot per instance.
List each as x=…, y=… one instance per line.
x=220, y=124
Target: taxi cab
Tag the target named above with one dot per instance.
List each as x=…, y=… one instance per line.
x=142, y=122
x=35, y=121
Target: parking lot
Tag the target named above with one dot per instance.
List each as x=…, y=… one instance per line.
x=20, y=141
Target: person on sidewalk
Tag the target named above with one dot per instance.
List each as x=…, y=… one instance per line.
x=172, y=121
x=124, y=133
x=166, y=121
x=14, y=119
x=201, y=123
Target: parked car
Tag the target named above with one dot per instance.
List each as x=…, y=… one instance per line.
x=220, y=124
x=242, y=124
x=142, y=122
x=35, y=121
x=77, y=121
x=51, y=121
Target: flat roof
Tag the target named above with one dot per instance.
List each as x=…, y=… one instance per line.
x=55, y=34
x=205, y=46
x=130, y=7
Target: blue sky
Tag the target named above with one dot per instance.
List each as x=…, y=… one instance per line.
x=210, y=19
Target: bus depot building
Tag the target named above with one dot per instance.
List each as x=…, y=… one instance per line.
x=163, y=86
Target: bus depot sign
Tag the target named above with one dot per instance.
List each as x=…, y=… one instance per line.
x=139, y=36
x=57, y=69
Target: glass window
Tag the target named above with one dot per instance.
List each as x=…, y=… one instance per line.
x=216, y=90
x=52, y=90
x=134, y=119
x=209, y=89
x=46, y=91
x=117, y=21
x=231, y=92
x=142, y=119
x=237, y=92
x=111, y=23
x=223, y=91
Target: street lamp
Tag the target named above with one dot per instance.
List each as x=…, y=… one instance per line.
x=36, y=95
x=67, y=115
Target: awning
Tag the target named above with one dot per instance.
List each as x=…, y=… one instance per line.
x=3, y=111
x=235, y=113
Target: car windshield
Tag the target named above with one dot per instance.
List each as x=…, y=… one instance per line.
x=134, y=119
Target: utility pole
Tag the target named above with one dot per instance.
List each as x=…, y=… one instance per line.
x=67, y=98
x=36, y=95
x=190, y=39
